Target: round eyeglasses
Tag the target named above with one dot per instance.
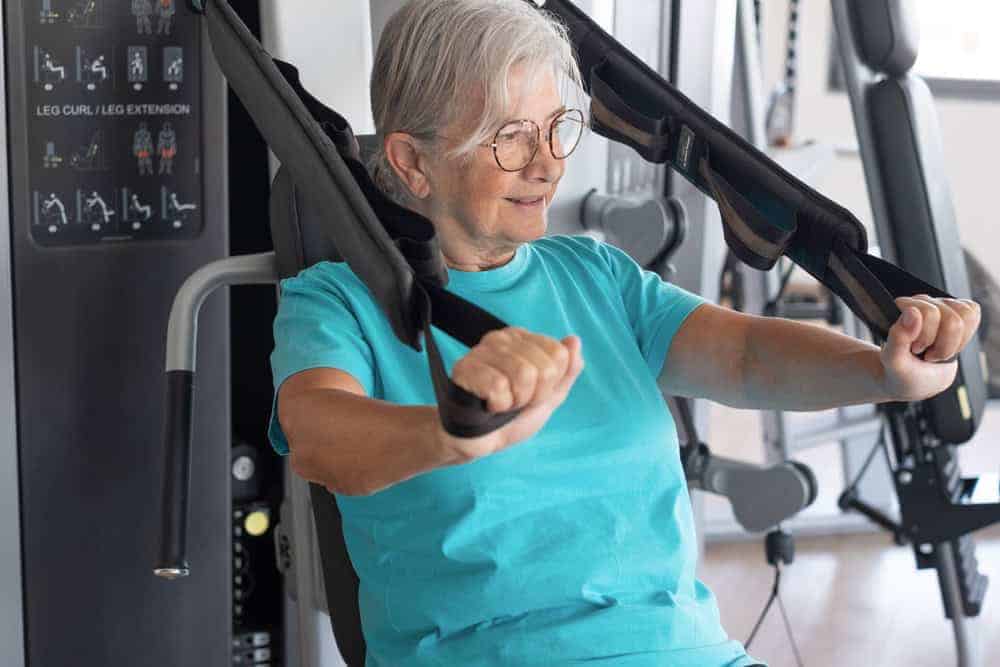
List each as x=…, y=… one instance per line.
x=516, y=143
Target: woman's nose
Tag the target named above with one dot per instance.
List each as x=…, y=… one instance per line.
x=544, y=166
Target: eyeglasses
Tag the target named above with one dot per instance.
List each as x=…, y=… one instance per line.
x=516, y=143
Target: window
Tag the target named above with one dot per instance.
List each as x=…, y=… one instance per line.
x=959, y=53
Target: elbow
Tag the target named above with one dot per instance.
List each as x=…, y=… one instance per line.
x=305, y=463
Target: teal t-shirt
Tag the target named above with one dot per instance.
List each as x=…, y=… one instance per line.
x=576, y=545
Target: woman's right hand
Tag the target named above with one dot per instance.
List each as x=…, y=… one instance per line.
x=513, y=368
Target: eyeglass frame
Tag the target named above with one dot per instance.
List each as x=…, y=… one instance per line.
x=538, y=136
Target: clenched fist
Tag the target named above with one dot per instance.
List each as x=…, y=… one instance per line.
x=513, y=368
x=941, y=328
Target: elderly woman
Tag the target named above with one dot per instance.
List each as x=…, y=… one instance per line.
x=566, y=536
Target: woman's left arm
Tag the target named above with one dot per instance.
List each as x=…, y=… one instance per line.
x=752, y=362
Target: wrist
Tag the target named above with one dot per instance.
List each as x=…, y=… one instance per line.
x=882, y=392
x=439, y=444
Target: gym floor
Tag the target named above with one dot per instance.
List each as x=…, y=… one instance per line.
x=854, y=599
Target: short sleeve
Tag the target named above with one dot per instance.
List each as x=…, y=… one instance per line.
x=315, y=327
x=656, y=309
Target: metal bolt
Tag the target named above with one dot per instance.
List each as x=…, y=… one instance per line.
x=905, y=477
x=926, y=549
x=243, y=468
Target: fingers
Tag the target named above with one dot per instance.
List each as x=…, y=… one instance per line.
x=511, y=368
x=904, y=333
x=478, y=377
x=930, y=320
x=575, y=347
x=946, y=326
x=971, y=315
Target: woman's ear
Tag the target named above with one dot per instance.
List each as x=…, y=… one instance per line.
x=401, y=151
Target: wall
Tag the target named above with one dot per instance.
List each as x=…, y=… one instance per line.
x=968, y=127
x=335, y=62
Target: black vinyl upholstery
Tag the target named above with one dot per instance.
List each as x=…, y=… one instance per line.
x=887, y=34
x=911, y=169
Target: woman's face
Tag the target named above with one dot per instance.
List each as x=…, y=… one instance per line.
x=496, y=210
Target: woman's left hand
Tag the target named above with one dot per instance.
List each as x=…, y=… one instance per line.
x=942, y=327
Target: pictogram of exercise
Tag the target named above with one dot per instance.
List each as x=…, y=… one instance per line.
x=143, y=12
x=165, y=11
x=142, y=149
x=53, y=210
x=166, y=147
x=96, y=210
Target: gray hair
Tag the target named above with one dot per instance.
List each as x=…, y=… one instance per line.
x=435, y=54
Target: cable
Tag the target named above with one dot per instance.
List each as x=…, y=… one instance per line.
x=780, y=548
x=767, y=607
x=788, y=629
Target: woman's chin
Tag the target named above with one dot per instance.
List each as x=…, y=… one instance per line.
x=528, y=227
x=532, y=231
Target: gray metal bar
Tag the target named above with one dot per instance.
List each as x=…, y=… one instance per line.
x=704, y=75
x=948, y=573
x=316, y=642
x=849, y=428
x=752, y=73
x=182, y=330
x=11, y=600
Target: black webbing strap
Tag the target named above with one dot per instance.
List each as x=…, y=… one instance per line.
x=766, y=212
x=394, y=251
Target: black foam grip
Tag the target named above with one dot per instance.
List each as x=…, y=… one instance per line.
x=177, y=433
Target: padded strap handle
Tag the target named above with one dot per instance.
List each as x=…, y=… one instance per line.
x=612, y=117
x=463, y=414
x=867, y=284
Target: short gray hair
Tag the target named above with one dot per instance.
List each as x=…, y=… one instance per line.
x=433, y=53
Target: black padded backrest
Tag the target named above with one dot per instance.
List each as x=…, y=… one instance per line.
x=299, y=243
x=909, y=164
x=299, y=239
x=911, y=161
x=887, y=34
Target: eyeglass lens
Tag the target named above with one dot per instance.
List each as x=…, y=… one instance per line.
x=517, y=142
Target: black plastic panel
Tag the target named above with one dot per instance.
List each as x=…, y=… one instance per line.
x=90, y=316
x=113, y=120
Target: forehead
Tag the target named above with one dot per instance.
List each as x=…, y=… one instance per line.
x=533, y=93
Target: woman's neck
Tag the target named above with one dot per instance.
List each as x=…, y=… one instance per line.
x=474, y=260
x=463, y=253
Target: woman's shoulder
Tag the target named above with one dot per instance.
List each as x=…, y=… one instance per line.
x=335, y=279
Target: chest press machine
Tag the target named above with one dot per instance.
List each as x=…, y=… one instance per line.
x=325, y=207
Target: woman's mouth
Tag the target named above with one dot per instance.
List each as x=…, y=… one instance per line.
x=527, y=202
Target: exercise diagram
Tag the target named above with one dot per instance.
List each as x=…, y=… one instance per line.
x=166, y=148
x=142, y=149
x=95, y=211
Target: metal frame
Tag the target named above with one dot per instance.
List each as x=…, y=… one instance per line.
x=11, y=592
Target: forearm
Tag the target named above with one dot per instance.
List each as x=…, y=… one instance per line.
x=356, y=445
x=795, y=366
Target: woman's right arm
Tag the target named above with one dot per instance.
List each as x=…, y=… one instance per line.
x=356, y=445
x=350, y=443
